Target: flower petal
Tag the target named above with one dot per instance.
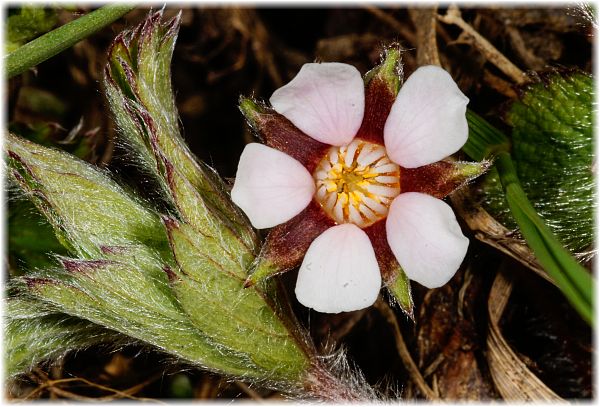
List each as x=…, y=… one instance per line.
x=270, y=186
x=325, y=101
x=425, y=238
x=427, y=121
x=339, y=272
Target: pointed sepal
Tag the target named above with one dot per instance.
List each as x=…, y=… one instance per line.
x=392, y=274
x=389, y=71
x=400, y=291
x=382, y=84
x=275, y=131
x=441, y=178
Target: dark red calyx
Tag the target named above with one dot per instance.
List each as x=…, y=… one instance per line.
x=286, y=244
x=275, y=131
x=441, y=178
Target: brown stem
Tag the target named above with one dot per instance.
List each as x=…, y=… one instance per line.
x=424, y=20
x=386, y=18
x=410, y=365
x=492, y=54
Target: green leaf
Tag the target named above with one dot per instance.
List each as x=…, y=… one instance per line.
x=209, y=287
x=26, y=23
x=34, y=332
x=138, y=86
x=87, y=209
x=553, y=152
x=125, y=276
x=553, y=155
x=219, y=243
x=216, y=235
x=134, y=299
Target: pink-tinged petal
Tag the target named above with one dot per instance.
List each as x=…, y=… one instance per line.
x=339, y=272
x=325, y=101
x=427, y=121
x=270, y=186
x=425, y=238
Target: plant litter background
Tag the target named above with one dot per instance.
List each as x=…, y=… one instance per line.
x=496, y=331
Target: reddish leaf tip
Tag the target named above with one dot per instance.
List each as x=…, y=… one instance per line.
x=249, y=282
x=81, y=266
x=34, y=282
x=170, y=273
x=169, y=222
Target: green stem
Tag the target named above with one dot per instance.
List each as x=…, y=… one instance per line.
x=484, y=139
x=56, y=41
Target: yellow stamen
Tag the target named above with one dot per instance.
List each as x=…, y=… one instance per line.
x=357, y=188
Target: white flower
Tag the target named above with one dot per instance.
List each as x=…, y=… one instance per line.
x=354, y=173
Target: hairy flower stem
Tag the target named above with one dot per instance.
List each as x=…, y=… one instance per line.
x=333, y=380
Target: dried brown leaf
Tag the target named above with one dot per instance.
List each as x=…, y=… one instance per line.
x=514, y=381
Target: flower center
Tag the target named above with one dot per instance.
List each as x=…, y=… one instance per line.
x=356, y=183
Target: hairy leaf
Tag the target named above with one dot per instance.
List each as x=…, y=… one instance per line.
x=120, y=296
x=209, y=286
x=34, y=332
x=87, y=209
x=137, y=80
x=182, y=292
x=553, y=153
